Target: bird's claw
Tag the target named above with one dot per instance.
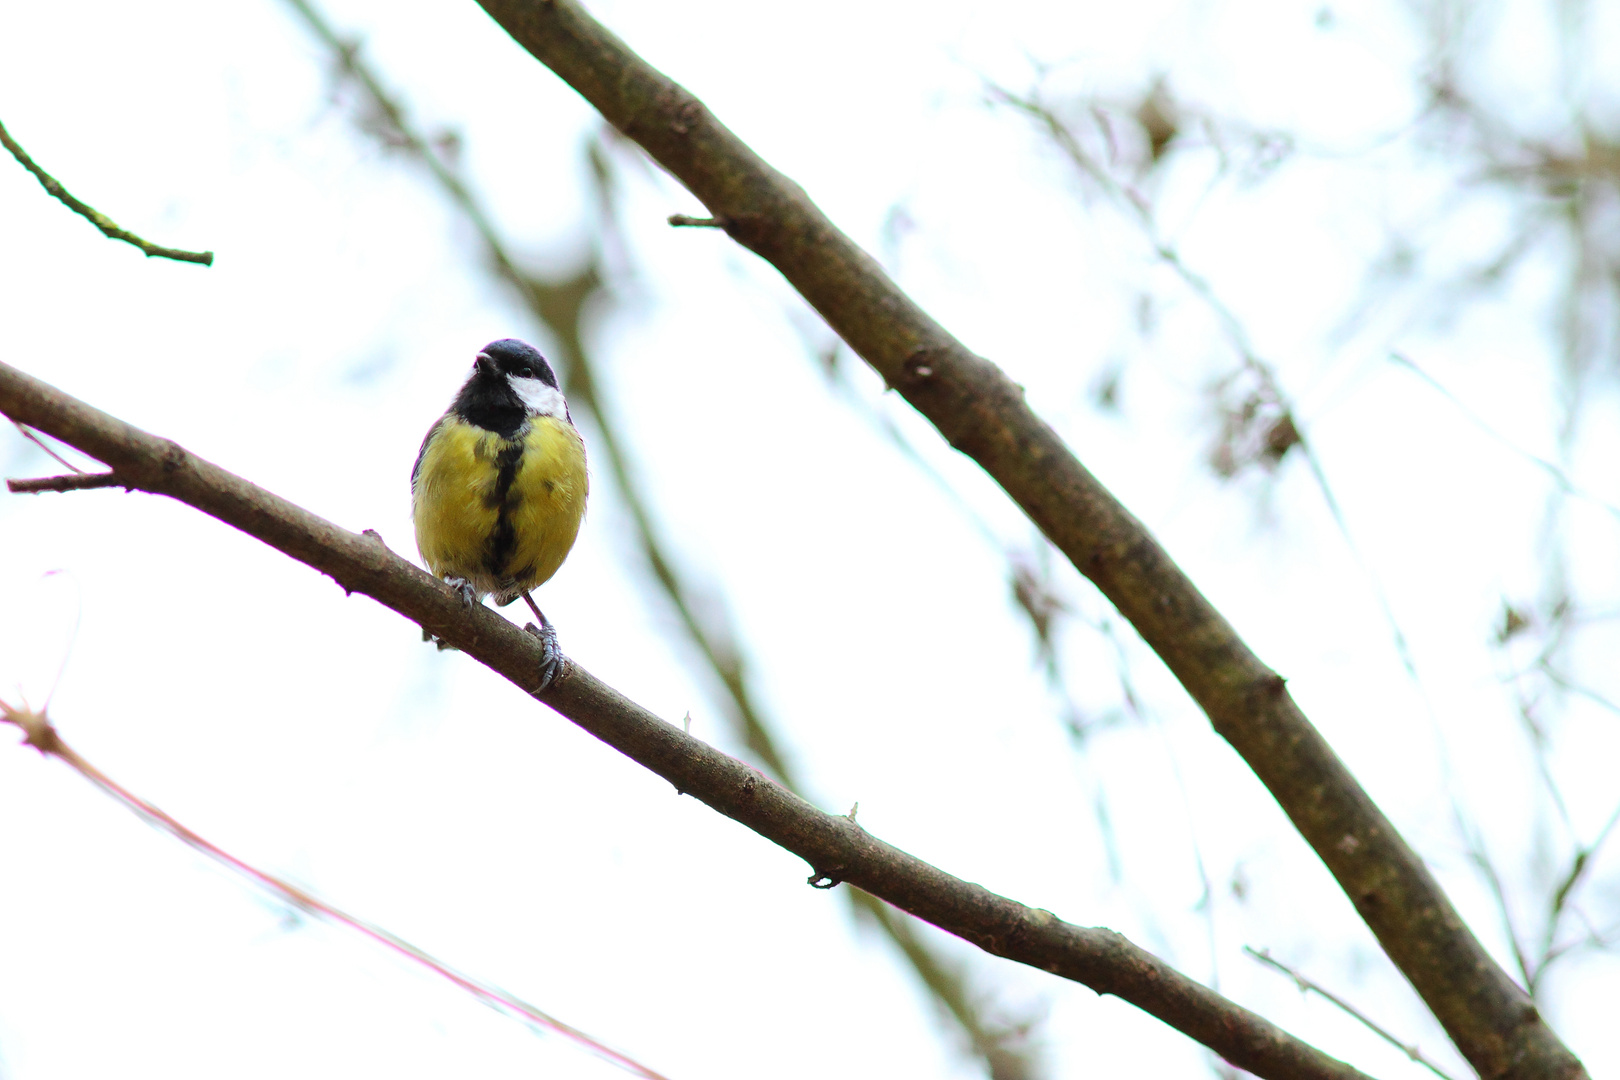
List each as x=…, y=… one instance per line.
x=469, y=595
x=551, y=655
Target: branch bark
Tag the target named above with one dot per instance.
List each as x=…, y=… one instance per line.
x=835, y=847
x=982, y=413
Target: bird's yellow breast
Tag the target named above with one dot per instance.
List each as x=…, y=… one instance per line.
x=500, y=512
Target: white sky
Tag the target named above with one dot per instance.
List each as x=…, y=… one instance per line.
x=315, y=736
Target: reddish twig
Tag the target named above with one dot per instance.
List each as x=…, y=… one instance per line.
x=39, y=733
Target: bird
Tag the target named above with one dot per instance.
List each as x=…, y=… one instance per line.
x=498, y=490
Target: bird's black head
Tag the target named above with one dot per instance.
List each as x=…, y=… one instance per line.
x=510, y=381
x=519, y=360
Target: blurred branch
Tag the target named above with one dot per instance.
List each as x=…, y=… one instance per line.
x=108, y=227
x=1258, y=424
x=1558, y=476
x=39, y=733
x=982, y=412
x=1306, y=985
x=836, y=848
x=560, y=306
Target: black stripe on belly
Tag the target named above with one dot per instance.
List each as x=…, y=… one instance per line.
x=502, y=540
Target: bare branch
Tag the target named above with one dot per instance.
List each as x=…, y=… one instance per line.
x=108, y=227
x=836, y=848
x=982, y=412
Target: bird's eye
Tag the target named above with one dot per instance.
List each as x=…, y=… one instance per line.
x=525, y=372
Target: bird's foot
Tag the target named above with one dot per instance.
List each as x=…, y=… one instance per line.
x=551, y=655
x=469, y=595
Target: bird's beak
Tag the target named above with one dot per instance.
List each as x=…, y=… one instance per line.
x=486, y=365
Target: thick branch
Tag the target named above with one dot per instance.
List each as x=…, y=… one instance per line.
x=108, y=227
x=836, y=848
x=981, y=412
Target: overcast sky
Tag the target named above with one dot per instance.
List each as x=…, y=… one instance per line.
x=314, y=735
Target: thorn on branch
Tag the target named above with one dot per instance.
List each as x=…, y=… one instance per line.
x=686, y=221
x=95, y=217
x=819, y=880
x=76, y=482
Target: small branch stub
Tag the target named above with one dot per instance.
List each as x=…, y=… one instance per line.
x=76, y=482
x=689, y=222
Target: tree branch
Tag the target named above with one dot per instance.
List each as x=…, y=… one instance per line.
x=835, y=847
x=981, y=412
x=108, y=227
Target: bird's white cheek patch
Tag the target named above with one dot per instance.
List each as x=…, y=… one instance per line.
x=541, y=399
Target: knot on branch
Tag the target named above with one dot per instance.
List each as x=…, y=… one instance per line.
x=174, y=457
x=824, y=880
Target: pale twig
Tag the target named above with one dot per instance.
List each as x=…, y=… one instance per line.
x=1559, y=478
x=1307, y=986
x=43, y=445
x=39, y=733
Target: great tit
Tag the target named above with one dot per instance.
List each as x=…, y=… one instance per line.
x=499, y=486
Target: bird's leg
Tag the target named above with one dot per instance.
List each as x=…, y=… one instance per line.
x=551, y=656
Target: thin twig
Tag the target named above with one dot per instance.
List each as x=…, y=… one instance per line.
x=43, y=445
x=835, y=848
x=108, y=227
x=1559, y=478
x=39, y=733
x=1306, y=985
